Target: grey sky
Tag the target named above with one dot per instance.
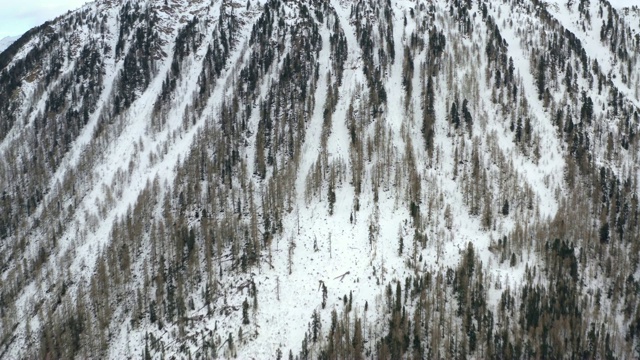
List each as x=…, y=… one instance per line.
x=18, y=16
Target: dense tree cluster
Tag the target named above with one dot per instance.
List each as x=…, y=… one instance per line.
x=458, y=147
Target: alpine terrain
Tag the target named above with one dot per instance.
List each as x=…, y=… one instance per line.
x=6, y=41
x=322, y=179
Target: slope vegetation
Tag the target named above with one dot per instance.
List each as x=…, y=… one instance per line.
x=322, y=179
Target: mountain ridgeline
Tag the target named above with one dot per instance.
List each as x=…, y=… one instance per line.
x=322, y=179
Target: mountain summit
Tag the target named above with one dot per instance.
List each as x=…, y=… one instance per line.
x=322, y=179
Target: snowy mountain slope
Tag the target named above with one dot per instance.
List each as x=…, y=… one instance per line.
x=6, y=41
x=244, y=179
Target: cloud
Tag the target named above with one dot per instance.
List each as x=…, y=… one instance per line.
x=18, y=16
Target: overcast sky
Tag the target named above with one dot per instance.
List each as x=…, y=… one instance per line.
x=18, y=16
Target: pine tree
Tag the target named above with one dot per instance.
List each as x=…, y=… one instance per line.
x=331, y=198
x=315, y=326
x=455, y=117
x=147, y=354
x=324, y=295
x=358, y=340
x=540, y=79
x=604, y=233
x=468, y=120
x=245, y=312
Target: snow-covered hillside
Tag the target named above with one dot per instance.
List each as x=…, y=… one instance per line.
x=322, y=179
x=6, y=41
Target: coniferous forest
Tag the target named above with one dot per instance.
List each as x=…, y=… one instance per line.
x=322, y=179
